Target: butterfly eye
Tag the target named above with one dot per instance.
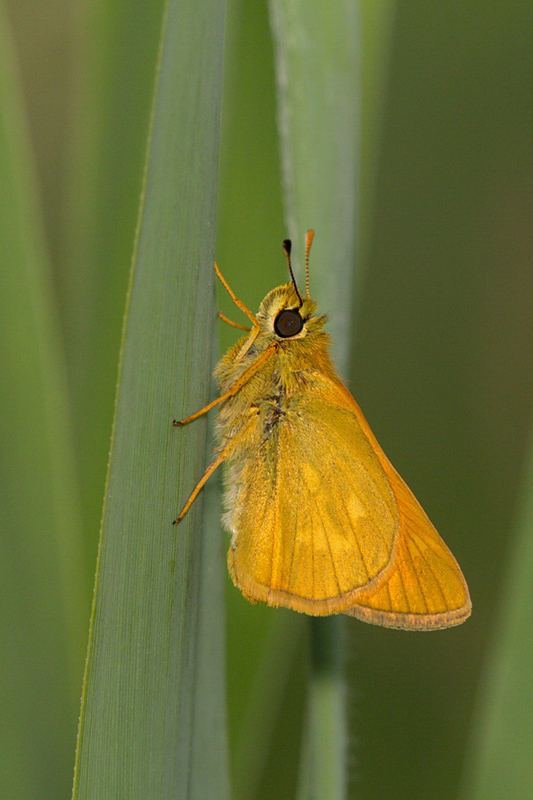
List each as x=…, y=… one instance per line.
x=288, y=323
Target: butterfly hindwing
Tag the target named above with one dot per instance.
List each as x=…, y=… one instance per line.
x=310, y=527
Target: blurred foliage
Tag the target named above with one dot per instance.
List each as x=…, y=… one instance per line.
x=442, y=364
x=44, y=600
x=498, y=763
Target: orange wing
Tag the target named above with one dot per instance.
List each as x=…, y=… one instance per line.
x=322, y=523
x=424, y=589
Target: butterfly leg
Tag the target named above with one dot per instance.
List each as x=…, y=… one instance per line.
x=234, y=297
x=213, y=466
x=179, y=423
x=207, y=474
x=265, y=355
x=225, y=319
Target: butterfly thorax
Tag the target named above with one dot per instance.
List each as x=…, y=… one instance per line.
x=295, y=364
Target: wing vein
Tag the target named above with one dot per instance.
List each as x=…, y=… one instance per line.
x=295, y=525
x=417, y=579
x=329, y=548
x=428, y=564
x=356, y=539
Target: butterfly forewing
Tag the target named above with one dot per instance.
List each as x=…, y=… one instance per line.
x=310, y=526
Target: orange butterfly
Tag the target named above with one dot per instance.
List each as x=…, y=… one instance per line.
x=320, y=520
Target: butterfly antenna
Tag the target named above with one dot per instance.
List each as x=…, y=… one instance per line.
x=287, y=246
x=309, y=236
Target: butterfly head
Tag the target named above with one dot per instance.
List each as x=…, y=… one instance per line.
x=284, y=313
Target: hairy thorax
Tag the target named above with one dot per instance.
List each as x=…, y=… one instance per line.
x=268, y=396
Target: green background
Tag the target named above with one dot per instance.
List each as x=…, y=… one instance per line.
x=442, y=358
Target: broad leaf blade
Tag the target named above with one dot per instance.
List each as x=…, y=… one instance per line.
x=140, y=732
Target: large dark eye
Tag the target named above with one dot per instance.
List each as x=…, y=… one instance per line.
x=288, y=323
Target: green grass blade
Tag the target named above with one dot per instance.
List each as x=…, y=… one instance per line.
x=42, y=589
x=323, y=768
x=318, y=96
x=500, y=759
x=317, y=77
x=142, y=733
x=253, y=749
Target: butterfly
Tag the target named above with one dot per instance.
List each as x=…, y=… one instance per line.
x=320, y=521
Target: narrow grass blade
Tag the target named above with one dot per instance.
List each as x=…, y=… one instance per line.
x=316, y=51
x=42, y=590
x=324, y=769
x=500, y=758
x=253, y=749
x=142, y=734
